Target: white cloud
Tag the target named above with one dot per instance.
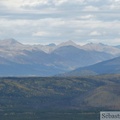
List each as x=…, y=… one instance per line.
x=59, y=2
x=1, y=32
x=112, y=42
x=89, y=16
x=49, y=20
x=95, y=33
x=91, y=8
x=93, y=0
x=115, y=1
x=41, y=33
x=19, y=3
x=35, y=2
x=116, y=41
x=114, y=7
x=63, y=29
x=45, y=34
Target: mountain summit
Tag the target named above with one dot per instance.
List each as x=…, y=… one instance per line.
x=9, y=42
x=68, y=43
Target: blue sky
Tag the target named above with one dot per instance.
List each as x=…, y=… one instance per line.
x=48, y=21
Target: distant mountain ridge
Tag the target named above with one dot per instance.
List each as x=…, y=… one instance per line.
x=101, y=48
x=118, y=46
x=111, y=66
x=48, y=60
x=51, y=47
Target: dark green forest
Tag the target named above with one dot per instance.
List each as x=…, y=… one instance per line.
x=58, y=98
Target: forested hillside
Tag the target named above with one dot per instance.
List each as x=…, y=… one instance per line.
x=60, y=93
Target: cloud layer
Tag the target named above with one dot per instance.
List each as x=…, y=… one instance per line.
x=46, y=21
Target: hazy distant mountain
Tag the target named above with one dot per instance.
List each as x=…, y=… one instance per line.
x=4, y=61
x=52, y=44
x=74, y=57
x=50, y=59
x=106, y=67
x=118, y=46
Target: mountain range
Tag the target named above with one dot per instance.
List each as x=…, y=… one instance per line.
x=17, y=59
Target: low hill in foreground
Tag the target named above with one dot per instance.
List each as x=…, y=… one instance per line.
x=54, y=98
x=84, y=93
